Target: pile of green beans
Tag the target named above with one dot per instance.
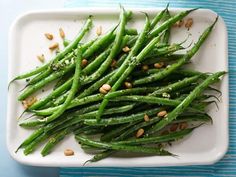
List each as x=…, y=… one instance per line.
x=150, y=98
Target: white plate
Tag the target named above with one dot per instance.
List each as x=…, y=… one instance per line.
x=206, y=145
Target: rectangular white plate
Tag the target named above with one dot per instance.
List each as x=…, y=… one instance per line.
x=206, y=145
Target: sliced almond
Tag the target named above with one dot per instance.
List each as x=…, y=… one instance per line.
x=139, y=133
x=69, y=152
x=113, y=64
x=41, y=58
x=54, y=46
x=99, y=30
x=179, y=23
x=48, y=36
x=62, y=33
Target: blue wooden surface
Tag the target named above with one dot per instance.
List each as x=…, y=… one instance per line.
x=9, y=9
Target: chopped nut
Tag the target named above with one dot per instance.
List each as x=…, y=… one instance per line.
x=106, y=87
x=128, y=85
x=183, y=126
x=189, y=23
x=99, y=30
x=84, y=62
x=173, y=127
x=68, y=152
x=145, y=67
x=126, y=49
x=54, y=46
x=48, y=36
x=41, y=58
x=62, y=33
x=179, y=23
x=140, y=132
x=159, y=65
x=161, y=113
x=29, y=101
x=101, y=90
x=146, y=118
x=113, y=64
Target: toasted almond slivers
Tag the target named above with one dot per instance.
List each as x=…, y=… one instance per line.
x=161, y=113
x=145, y=67
x=62, y=33
x=84, y=62
x=146, y=118
x=140, y=132
x=159, y=65
x=174, y=127
x=128, y=85
x=189, y=23
x=99, y=30
x=126, y=49
x=29, y=101
x=68, y=152
x=183, y=126
x=54, y=46
x=41, y=58
x=48, y=36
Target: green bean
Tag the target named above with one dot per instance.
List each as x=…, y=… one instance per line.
x=96, y=62
x=100, y=156
x=136, y=127
x=127, y=148
x=54, y=140
x=52, y=95
x=33, y=88
x=114, y=49
x=66, y=42
x=194, y=117
x=117, y=131
x=74, y=103
x=167, y=58
x=181, y=62
x=186, y=102
x=74, y=88
x=121, y=60
x=139, y=90
x=166, y=35
x=121, y=119
x=125, y=74
x=61, y=54
x=31, y=147
x=30, y=123
x=50, y=69
x=170, y=22
x=158, y=139
x=148, y=99
x=31, y=138
x=175, y=86
x=158, y=17
x=131, y=31
x=98, y=43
